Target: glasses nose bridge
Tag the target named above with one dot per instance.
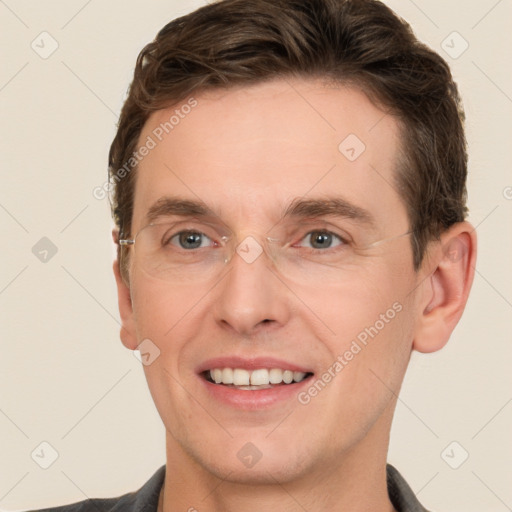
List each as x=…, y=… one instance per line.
x=251, y=246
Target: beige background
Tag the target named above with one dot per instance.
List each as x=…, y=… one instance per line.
x=65, y=377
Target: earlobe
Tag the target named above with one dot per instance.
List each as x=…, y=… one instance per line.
x=128, y=333
x=446, y=289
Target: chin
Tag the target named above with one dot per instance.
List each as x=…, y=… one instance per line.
x=249, y=464
x=263, y=473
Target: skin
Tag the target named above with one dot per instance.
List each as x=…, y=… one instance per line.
x=247, y=152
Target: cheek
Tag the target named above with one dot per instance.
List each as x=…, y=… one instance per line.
x=173, y=318
x=359, y=298
x=161, y=309
x=170, y=317
x=371, y=319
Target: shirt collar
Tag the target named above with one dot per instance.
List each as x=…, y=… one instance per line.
x=401, y=495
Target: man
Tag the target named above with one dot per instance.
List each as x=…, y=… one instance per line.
x=290, y=201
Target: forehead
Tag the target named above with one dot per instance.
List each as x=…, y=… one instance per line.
x=247, y=152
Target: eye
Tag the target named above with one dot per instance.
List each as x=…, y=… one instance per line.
x=190, y=240
x=321, y=240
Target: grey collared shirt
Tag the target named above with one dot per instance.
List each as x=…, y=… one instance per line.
x=146, y=498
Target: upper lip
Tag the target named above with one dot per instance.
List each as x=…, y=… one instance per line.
x=250, y=363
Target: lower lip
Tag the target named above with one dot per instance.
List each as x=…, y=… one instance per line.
x=251, y=399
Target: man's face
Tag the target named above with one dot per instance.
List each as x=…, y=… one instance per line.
x=247, y=154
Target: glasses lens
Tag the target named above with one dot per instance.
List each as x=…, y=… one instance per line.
x=314, y=252
x=179, y=250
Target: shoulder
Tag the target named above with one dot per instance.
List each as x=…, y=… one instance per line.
x=400, y=494
x=143, y=500
x=92, y=505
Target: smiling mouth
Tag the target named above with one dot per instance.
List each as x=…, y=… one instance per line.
x=261, y=378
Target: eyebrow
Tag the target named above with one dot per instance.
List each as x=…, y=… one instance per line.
x=167, y=206
x=329, y=206
x=298, y=208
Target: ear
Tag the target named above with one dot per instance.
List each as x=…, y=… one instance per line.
x=128, y=332
x=445, y=290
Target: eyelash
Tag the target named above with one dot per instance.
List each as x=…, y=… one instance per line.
x=341, y=239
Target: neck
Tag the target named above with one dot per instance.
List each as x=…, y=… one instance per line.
x=353, y=481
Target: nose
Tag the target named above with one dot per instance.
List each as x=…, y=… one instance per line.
x=252, y=297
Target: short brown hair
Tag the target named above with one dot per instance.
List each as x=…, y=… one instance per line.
x=356, y=42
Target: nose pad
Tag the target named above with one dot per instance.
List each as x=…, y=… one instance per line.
x=228, y=250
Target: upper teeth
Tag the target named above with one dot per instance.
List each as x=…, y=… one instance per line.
x=241, y=377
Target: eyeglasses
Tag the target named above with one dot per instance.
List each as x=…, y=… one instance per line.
x=316, y=251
